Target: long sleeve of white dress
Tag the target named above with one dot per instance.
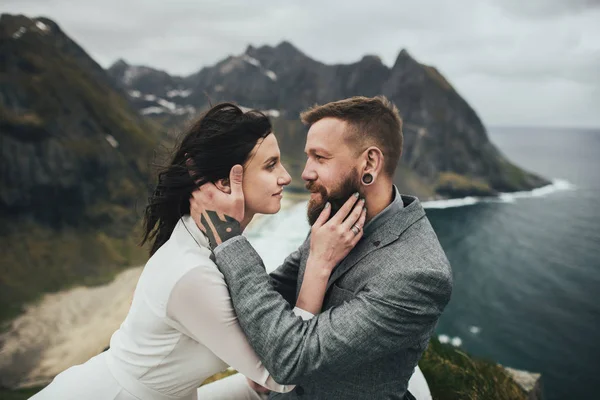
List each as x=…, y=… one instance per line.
x=201, y=305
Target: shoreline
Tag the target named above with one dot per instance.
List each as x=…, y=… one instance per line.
x=556, y=185
x=64, y=329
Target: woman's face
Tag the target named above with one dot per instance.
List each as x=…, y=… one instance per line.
x=264, y=178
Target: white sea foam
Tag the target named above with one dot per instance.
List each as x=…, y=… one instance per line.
x=474, y=330
x=456, y=341
x=444, y=338
x=556, y=186
x=467, y=201
x=112, y=141
x=135, y=93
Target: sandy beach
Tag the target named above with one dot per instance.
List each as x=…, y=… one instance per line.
x=64, y=329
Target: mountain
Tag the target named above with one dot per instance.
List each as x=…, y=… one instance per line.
x=74, y=162
x=156, y=93
x=447, y=152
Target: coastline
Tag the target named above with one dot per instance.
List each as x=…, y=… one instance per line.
x=557, y=185
x=64, y=329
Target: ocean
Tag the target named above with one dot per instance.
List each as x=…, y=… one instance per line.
x=526, y=265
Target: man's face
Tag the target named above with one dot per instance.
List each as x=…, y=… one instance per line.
x=331, y=169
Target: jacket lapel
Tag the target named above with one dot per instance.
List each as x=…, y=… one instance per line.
x=386, y=234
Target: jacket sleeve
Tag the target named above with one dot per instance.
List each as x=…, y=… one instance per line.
x=377, y=321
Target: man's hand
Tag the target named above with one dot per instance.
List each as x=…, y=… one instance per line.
x=256, y=387
x=331, y=241
x=219, y=214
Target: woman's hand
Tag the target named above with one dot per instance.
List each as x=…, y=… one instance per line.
x=331, y=241
x=219, y=214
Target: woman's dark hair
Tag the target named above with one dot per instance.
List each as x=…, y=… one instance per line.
x=221, y=138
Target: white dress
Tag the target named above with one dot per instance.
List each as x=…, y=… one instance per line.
x=181, y=329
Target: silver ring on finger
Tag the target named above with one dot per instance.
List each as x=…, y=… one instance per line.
x=355, y=229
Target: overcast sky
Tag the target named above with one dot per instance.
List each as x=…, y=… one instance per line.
x=517, y=62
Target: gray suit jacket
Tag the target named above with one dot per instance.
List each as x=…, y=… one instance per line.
x=380, y=310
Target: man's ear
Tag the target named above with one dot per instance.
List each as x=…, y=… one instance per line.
x=223, y=185
x=374, y=161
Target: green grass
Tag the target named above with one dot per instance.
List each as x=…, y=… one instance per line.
x=452, y=374
x=456, y=185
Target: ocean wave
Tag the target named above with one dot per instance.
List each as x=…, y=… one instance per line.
x=455, y=341
x=474, y=329
x=557, y=185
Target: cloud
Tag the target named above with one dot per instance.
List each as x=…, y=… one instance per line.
x=542, y=9
x=501, y=55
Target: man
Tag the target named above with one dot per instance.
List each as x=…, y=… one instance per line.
x=383, y=300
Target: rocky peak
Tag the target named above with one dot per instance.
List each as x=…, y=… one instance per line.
x=118, y=71
x=280, y=56
x=16, y=26
x=405, y=63
x=371, y=59
x=37, y=36
x=285, y=48
x=119, y=64
x=130, y=75
x=153, y=91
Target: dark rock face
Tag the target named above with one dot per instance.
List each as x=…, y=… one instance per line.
x=446, y=150
x=74, y=158
x=68, y=134
x=144, y=78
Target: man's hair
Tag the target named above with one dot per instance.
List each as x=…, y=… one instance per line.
x=374, y=121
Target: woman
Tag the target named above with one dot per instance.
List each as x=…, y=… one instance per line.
x=181, y=327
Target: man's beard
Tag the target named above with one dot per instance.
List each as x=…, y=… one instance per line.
x=336, y=198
